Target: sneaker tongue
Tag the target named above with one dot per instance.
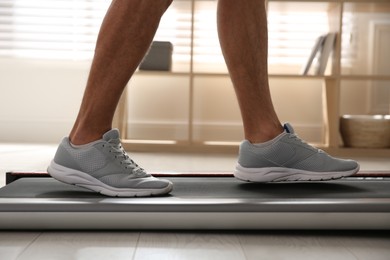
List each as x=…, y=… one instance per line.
x=113, y=134
x=288, y=128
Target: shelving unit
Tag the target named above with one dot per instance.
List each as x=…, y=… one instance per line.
x=337, y=75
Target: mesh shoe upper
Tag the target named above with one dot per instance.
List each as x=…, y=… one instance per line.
x=106, y=161
x=289, y=151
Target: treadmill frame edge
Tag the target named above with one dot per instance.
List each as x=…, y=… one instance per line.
x=194, y=221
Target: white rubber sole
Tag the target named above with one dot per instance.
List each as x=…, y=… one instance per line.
x=82, y=179
x=280, y=174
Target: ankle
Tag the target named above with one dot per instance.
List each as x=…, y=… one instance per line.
x=81, y=137
x=263, y=135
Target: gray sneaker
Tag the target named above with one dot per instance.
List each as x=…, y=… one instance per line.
x=103, y=166
x=288, y=158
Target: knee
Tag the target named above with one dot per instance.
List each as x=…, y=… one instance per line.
x=168, y=3
x=160, y=4
x=164, y=4
x=143, y=5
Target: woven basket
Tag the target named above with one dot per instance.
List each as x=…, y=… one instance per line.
x=364, y=131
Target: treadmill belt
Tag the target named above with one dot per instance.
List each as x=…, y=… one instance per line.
x=201, y=202
x=213, y=187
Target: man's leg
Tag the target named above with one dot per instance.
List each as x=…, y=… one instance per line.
x=271, y=152
x=124, y=38
x=92, y=157
x=242, y=28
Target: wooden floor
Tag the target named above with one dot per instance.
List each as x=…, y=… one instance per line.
x=196, y=245
x=329, y=245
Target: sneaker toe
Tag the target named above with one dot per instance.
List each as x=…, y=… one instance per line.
x=126, y=181
x=153, y=183
x=322, y=162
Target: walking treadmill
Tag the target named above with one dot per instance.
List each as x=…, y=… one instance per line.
x=206, y=201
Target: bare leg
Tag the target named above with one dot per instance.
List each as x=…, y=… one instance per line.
x=124, y=38
x=242, y=29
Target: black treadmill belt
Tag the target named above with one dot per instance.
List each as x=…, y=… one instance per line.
x=201, y=202
x=214, y=187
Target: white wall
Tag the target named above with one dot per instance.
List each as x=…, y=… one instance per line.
x=40, y=99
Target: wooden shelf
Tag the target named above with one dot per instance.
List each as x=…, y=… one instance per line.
x=274, y=75
x=364, y=77
x=332, y=1
x=331, y=88
x=357, y=152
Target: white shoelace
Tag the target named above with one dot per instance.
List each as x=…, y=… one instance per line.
x=120, y=154
x=296, y=137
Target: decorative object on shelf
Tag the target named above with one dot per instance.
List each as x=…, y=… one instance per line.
x=365, y=131
x=322, y=48
x=159, y=57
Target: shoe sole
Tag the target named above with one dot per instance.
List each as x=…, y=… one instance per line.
x=82, y=179
x=280, y=174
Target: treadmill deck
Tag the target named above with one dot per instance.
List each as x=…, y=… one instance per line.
x=201, y=203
